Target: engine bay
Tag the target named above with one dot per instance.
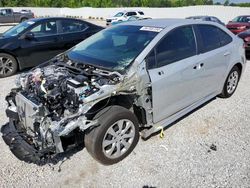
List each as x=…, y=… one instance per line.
x=62, y=88
x=51, y=103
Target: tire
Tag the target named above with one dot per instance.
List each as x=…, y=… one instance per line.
x=231, y=83
x=8, y=65
x=23, y=20
x=108, y=119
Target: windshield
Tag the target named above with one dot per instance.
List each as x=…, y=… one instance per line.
x=14, y=31
x=242, y=19
x=114, y=48
x=119, y=14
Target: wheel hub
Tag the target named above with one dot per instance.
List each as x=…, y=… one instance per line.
x=118, y=138
x=6, y=65
x=232, y=82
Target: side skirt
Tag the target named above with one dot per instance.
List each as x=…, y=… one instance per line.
x=164, y=123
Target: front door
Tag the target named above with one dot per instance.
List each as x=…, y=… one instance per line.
x=175, y=74
x=42, y=46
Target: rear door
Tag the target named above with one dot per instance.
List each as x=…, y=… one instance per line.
x=43, y=46
x=214, y=51
x=171, y=66
x=72, y=32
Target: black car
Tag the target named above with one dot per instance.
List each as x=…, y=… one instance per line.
x=38, y=40
x=245, y=35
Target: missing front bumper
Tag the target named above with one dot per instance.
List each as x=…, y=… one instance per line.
x=20, y=147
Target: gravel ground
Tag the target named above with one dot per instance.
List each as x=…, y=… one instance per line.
x=209, y=148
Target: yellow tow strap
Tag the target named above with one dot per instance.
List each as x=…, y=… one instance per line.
x=162, y=132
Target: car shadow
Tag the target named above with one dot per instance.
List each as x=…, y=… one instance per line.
x=181, y=118
x=60, y=158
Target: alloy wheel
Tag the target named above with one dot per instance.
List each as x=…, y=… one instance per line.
x=6, y=66
x=118, y=138
x=232, y=82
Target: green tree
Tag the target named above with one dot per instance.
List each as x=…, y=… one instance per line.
x=226, y=3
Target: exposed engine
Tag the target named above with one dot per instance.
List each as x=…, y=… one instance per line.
x=62, y=88
x=52, y=101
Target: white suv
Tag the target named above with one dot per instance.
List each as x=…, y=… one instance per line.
x=123, y=16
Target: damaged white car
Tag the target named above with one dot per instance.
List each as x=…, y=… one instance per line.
x=128, y=80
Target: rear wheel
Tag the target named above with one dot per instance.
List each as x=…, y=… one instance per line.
x=23, y=19
x=231, y=83
x=115, y=137
x=8, y=65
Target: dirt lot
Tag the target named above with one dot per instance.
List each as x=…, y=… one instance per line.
x=209, y=148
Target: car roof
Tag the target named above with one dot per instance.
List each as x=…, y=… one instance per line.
x=199, y=16
x=52, y=18
x=125, y=11
x=162, y=23
x=243, y=16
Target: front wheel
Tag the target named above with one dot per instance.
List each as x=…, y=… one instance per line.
x=8, y=65
x=231, y=83
x=115, y=137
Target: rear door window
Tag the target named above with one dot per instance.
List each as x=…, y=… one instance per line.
x=8, y=11
x=211, y=37
x=224, y=37
x=177, y=45
x=131, y=13
x=70, y=26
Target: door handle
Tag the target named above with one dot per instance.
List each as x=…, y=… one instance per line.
x=199, y=66
x=161, y=72
x=227, y=53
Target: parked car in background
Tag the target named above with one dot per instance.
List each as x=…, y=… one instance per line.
x=132, y=18
x=9, y=16
x=239, y=24
x=38, y=40
x=124, y=16
x=245, y=35
x=206, y=18
x=25, y=11
x=108, y=88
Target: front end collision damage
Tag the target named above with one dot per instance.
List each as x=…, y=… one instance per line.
x=53, y=102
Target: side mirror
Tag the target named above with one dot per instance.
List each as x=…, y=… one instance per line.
x=29, y=36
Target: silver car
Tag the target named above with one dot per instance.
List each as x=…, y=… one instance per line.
x=126, y=81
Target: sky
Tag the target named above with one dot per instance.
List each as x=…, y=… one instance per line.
x=233, y=1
